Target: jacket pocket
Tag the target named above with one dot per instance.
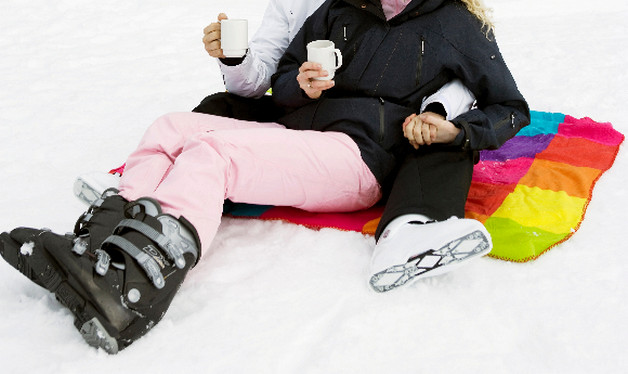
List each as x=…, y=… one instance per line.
x=419, y=63
x=382, y=121
x=510, y=120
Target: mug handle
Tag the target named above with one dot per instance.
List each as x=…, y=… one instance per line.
x=338, y=58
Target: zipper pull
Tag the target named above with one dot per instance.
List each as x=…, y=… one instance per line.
x=512, y=120
x=422, y=46
x=344, y=32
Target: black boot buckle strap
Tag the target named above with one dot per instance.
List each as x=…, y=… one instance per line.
x=102, y=264
x=148, y=263
x=173, y=241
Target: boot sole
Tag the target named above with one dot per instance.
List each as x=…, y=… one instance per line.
x=96, y=335
x=432, y=262
x=85, y=192
x=46, y=274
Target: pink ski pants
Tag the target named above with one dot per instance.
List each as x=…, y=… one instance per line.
x=192, y=162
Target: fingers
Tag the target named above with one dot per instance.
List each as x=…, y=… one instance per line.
x=211, y=38
x=425, y=132
x=408, y=130
x=312, y=87
x=429, y=128
x=407, y=121
x=443, y=131
x=312, y=70
x=419, y=132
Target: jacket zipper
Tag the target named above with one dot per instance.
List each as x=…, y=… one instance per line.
x=510, y=119
x=382, y=121
x=419, y=68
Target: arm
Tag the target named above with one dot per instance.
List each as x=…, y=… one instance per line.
x=251, y=76
x=434, y=124
x=448, y=115
x=501, y=109
x=288, y=91
x=451, y=100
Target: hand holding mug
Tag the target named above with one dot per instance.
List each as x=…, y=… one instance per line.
x=307, y=78
x=211, y=38
x=315, y=75
x=227, y=37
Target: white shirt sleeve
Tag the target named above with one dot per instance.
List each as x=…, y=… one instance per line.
x=455, y=98
x=251, y=78
x=280, y=23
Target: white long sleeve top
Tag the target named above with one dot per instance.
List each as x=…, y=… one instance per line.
x=280, y=23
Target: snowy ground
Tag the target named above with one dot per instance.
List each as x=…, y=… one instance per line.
x=80, y=82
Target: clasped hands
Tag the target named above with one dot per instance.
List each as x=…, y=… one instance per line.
x=428, y=128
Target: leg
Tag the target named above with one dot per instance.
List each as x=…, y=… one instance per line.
x=163, y=142
x=118, y=292
x=433, y=184
x=420, y=234
x=89, y=187
x=263, y=166
x=233, y=106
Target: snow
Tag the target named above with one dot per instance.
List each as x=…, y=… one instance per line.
x=27, y=249
x=79, y=84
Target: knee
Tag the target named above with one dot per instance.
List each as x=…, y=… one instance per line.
x=216, y=104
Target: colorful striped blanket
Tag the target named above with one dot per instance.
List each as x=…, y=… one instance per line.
x=531, y=194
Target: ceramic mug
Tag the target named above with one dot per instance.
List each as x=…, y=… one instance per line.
x=234, y=37
x=325, y=53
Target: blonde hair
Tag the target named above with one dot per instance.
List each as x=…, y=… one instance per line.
x=483, y=13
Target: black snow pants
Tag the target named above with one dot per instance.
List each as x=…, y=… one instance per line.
x=229, y=105
x=433, y=181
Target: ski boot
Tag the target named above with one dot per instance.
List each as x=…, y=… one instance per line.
x=415, y=247
x=90, y=230
x=89, y=187
x=118, y=292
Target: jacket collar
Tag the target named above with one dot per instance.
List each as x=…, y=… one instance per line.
x=414, y=9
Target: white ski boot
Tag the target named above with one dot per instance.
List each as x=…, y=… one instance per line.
x=413, y=247
x=89, y=187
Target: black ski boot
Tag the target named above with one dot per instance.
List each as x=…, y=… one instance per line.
x=98, y=222
x=90, y=230
x=117, y=293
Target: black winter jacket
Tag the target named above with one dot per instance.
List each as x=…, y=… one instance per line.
x=389, y=66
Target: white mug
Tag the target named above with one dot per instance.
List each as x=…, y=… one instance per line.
x=234, y=37
x=325, y=53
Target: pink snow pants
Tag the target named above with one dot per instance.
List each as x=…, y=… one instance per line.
x=192, y=162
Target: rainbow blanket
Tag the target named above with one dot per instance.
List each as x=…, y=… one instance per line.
x=531, y=194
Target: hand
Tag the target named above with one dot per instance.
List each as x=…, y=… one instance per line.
x=428, y=128
x=313, y=88
x=419, y=133
x=211, y=38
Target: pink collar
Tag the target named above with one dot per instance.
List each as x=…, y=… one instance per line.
x=393, y=7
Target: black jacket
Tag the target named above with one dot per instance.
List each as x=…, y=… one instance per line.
x=389, y=66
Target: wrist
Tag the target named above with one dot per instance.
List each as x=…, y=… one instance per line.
x=437, y=108
x=232, y=61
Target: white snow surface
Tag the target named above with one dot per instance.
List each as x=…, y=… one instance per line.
x=81, y=81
